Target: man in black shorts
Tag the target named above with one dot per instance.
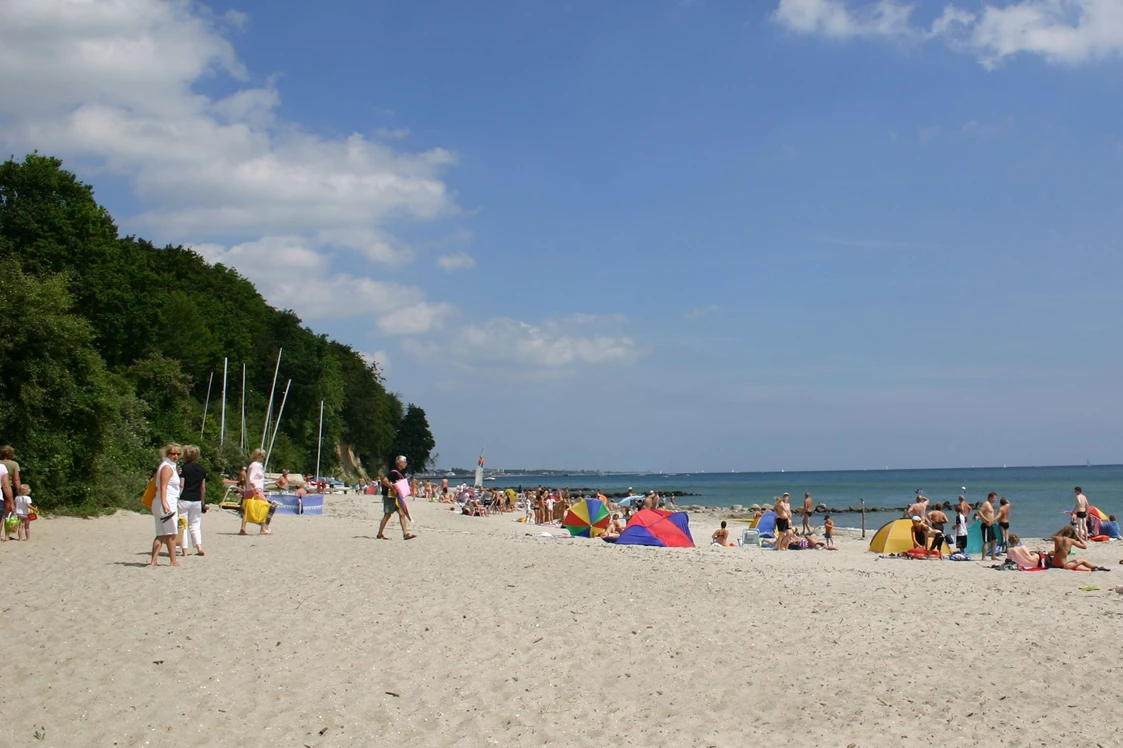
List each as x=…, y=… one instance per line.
x=783, y=510
x=391, y=504
x=986, y=517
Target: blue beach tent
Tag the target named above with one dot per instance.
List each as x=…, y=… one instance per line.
x=766, y=527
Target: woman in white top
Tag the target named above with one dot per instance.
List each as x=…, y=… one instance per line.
x=165, y=505
x=255, y=488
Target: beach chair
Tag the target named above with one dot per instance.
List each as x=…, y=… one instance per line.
x=750, y=537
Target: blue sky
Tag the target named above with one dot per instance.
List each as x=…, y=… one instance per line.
x=652, y=235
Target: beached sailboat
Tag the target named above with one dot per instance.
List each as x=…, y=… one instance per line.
x=479, y=482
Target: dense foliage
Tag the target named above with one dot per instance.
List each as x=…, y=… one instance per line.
x=107, y=344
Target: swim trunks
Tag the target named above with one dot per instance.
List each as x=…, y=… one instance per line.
x=782, y=525
x=988, y=534
x=1004, y=525
x=1081, y=515
x=961, y=542
x=389, y=505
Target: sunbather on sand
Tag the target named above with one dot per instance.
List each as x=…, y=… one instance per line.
x=1063, y=540
x=1023, y=556
x=615, y=527
x=721, y=537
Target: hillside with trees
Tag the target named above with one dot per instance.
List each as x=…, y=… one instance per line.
x=107, y=344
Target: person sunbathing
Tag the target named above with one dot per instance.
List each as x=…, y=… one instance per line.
x=721, y=537
x=1063, y=541
x=811, y=542
x=1023, y=556
x=615, y=527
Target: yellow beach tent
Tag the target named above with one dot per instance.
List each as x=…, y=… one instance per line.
x=895, y=537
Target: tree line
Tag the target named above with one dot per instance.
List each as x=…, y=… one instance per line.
x=107, y=344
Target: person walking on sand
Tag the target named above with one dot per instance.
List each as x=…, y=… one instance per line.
x=165, y=504
x=8, y=460
x=985, y=515
x=255, y=489
x=394, y=493
x=9, y=499
x=1080, y=513
x=193, y=499
x=808, y=510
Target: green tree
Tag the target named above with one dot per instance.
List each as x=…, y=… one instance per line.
x=57, y=392
x=414, y=440
x=107, y=343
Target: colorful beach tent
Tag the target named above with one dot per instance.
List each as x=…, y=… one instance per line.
x=659, y=528
x=766, y=527
x=588, y=518
x=895, y=537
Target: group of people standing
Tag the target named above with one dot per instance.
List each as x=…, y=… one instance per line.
x=181, y=491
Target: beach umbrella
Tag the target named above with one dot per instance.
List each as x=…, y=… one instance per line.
x=1093, y=511
x=588, y=518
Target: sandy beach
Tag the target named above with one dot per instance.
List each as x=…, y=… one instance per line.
x=484, y=632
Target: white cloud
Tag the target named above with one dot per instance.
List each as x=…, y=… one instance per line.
x=387, y=134
x=553, y=344
x=929, y=133
x=416, y=319
x=456, y=261
x=837, y=20
x=116, y=82
x=291, y=274
x=703, y=311
x=1061, y=31
x=381, y=360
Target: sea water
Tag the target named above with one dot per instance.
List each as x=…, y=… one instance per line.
x=1038, y=495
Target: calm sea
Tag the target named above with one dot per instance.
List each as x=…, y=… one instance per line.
x=1038, y=495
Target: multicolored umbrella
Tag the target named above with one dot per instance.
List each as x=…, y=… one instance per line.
x=588, y=518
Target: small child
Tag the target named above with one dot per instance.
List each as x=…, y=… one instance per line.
x=828, y=531
x=23, y=511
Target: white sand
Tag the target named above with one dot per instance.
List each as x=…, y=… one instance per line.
x=487, y=634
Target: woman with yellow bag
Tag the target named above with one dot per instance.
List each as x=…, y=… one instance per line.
x=255, y=509
x=164, y=504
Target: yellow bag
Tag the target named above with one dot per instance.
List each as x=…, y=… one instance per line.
x=149, y=493
x=256, y=511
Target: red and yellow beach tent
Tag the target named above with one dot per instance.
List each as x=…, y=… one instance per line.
x=896, y=536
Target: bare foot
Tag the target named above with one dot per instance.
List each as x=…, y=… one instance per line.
x=151, y=564
x=175, y=563
x=200, y=552
x=266, y=532
x=383, y=537
x=242, y=532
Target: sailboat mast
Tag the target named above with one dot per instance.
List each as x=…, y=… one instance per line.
x=222, y=427
x=242, y=443
x=277, y=426
x=272, y=389
x=206, y=405
x=320, y=439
